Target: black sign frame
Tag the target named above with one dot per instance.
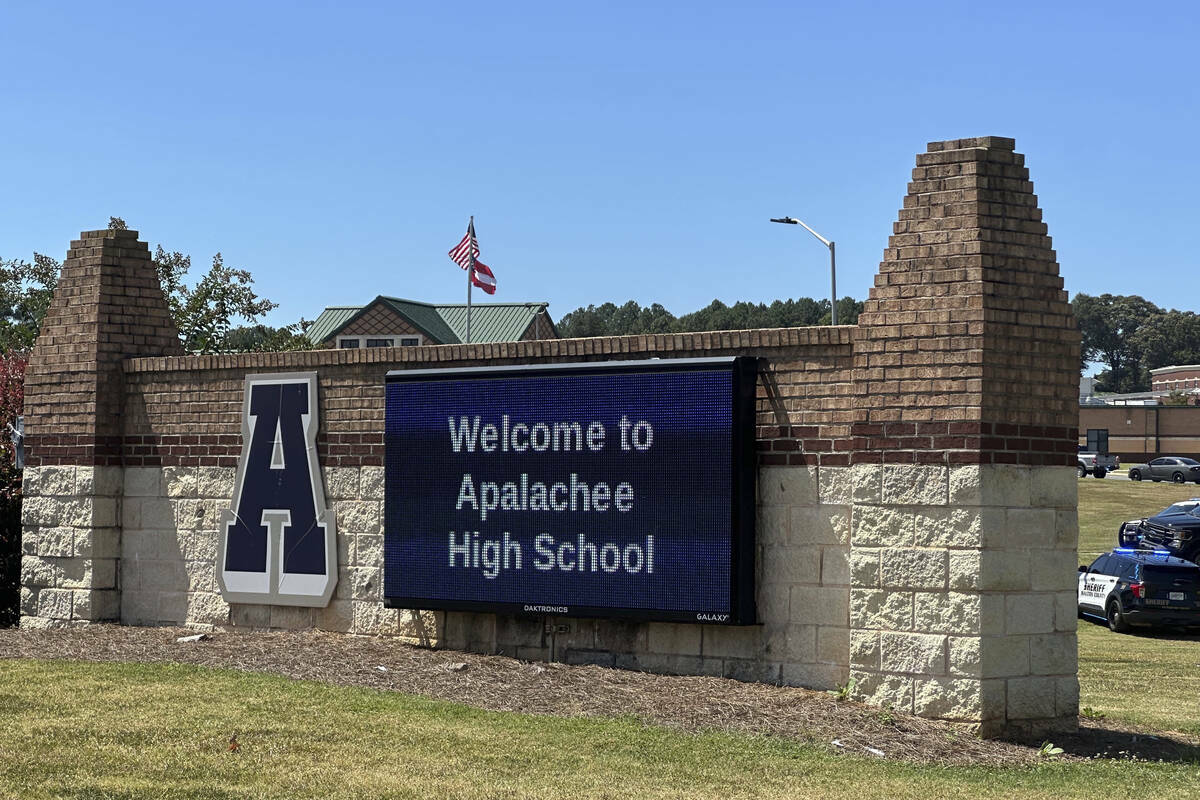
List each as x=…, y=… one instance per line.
x=743, y=468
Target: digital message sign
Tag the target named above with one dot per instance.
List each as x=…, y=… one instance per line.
x=621, y=489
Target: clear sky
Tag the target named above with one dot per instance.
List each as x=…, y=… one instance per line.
x=609, y=151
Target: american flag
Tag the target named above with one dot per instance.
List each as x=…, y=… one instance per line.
x=466, y=250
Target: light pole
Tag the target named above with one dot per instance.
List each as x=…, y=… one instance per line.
x=832, y=263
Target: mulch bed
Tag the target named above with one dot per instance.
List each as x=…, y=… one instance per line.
x=500, y=683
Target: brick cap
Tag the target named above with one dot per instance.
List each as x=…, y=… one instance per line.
x=986, y=142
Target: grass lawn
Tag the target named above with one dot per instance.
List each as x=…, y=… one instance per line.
x=1148, y=679
x=86, y=730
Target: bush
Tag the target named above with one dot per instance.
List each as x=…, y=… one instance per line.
x=12, y=392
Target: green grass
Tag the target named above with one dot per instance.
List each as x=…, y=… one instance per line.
x=84, y=730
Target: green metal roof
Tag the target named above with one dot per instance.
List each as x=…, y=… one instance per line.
x=491, y=322
x=442, y=323
x=330, y=320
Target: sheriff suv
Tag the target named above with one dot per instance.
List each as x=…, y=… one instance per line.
x=1128, y=587
x=1175, y=529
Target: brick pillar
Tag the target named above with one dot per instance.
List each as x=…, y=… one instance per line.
x=964, y=526
x=107, y=306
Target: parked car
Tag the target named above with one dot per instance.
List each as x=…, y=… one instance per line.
x=1097, y=464
x=1127, y=587
x=1168, y=468
x=1175, y=529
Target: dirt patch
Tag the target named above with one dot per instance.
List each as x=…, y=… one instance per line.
x=499, y=683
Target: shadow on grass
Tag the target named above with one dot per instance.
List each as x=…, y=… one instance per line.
x=1097, y=740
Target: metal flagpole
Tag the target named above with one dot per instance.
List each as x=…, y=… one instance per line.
x=470, y=273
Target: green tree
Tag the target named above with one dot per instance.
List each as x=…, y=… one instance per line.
x=25, y=292
x=1169, y=337
x=1108, y=325
x=265, y=339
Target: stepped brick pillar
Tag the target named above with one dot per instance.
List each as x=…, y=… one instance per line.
x=964, y=525
x=108, y=306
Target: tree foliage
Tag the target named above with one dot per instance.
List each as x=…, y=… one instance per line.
x=25, y=292
x=12, y=390
x=610, y=319
x=1131, y=336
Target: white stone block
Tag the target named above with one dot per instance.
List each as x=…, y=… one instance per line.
x=822, y=677
x=964, y=570
x=1004, y=571
x=1066, y=696
x=55, y=481
x=338, y=616
x=143, y=482
x=791, y=565
x=940, y=612
x=879, y=526
x=372, y=618
x=196, y=514
x=964, y=485
x=948, y=698
x=368, y=550
x=923, y=654
x=56, y=542
x=29, y=601
x=371, y=483
x=107, y=481
x=98, y=542
x=833, y=645
x=718, y=641
x=359, y=517
x=872, y=609
x=906, y=568
x=815, y=525
x=291, y=618
x=1027, y=527
x=207, y=608
x=801, y=644
x=1004, y=656
x=915, y=484
x=866, y=483
x=787, y=486
x=341, y=483
x=673, y=638
x=821, y=605
x=37, y=571
x=835, y=566
x=1066, y=611
x=1066, y=529
x=883, y=690
x=180, y=482
x=1054, y=654
x=772, y=524
x=1005, y=485
x=864, y=568
x=1029, y=613
x=55, y=603
x=834, y=486
x=864, y=650
x=1054, y=570
x=964, y=655
x=1054, y=487
x=215, y=483
x=1032, y=698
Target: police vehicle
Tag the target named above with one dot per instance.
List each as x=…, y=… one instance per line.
x=1130, y=586
x=1176, y=529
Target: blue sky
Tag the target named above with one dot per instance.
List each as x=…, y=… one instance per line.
x=609, y=151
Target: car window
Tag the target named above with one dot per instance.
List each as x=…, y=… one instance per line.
x=1191, y=462
x=1129, y=570
x=1158, y=462
x=1099, y=564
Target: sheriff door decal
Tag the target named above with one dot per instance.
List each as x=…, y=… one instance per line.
x=278, y=543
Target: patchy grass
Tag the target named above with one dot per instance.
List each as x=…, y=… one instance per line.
x=111, y=730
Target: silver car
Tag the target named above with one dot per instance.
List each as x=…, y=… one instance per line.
x=1168, y=468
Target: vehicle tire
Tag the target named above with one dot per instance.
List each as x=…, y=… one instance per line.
x=1082, y=471
x=1135, y=474
x=1099, y=472
x=1177, y=477
x=1116, y=620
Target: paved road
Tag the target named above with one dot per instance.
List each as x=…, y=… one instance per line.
x=1112, y=476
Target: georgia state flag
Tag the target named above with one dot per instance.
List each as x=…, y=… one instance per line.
x=483, y=278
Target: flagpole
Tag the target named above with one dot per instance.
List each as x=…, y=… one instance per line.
x=470, y=275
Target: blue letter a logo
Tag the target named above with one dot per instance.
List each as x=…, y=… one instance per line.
x=278, y=542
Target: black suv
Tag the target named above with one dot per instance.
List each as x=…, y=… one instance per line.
x=1176, y=529
x=1129, y=587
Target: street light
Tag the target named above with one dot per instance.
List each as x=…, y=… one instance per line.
x=832, y=263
